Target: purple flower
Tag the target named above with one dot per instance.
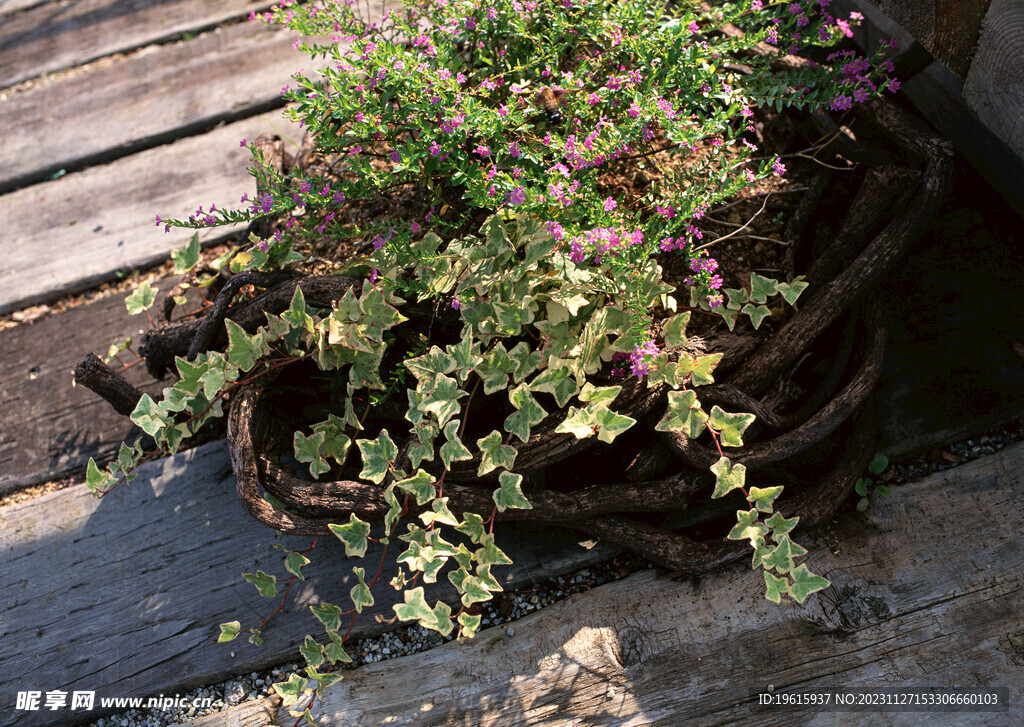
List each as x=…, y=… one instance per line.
x=894, y=85
x=779, y=168
x=396, y=157
x=516, y=197
x=610, y=204
x=514, y=149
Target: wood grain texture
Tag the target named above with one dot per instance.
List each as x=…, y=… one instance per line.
x=13, y=6
x=928, y=588
x=947, y=28
x=47, y=427
x=102, y=219
x=148, y=98
x=72, y=32
x=124, y=595
x=995, y=83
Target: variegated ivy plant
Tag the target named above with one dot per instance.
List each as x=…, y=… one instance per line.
x=561, y=282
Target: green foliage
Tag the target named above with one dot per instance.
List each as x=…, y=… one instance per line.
x=864, y=486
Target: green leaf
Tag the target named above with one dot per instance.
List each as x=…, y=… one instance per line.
x=490, y=554
x=264, y=583
x=525, y=360
x=805, y=583
x=862, y=504
x=473, y=526
x=229, y=631
x=763, y=497
x=611, y=424
x=781, y=557
x=528, y=413
x=294, y=564
x=189, y=375
x=420, y=485
x=730, y=426
x=466, y=354
x=312, y=652
x=775, y=587
x=186, y=258
x=336, y=443
x=737, y=297
x=748, y=526
x=861, y=486
x=429, y=366
x=141, y=299
x=697, y=369
x=245, y=350
x=148, y=417
x=792, y=291
x=415, y=608
x=97, y=479
x=757, y=314
x=780, y=525
x=335, y=651
x=439, y=512
x=443, y=400
x=453, y=450
x=683, y=414
x=255, y=638
x=761, y=287
x=556, y=381
x=510, y=494
x=470, y=588
x=599, y=396
x=360, y=593
x=290, y=690
x=494, y=369
x=878, y=465
x=727, y=478
x=353, y=535
x=297, y=315
x=328, y=614
x=378, y=455
x=494, y=454
x=469, y=624
x=881, y=490
x=674, y=330
x=307, y=449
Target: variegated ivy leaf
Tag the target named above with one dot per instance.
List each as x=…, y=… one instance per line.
x=748, y=526
x=420, y=485
x=336, y=443
x=763, y=497
x=297, y=315
x=757, y=314
x=697, y=369
x=727, y=478
x=528, y=413
x=245, y=350
x=470, y=587
x=453, y=450
x=343, y=329
x=443, y=616
x=217, y=375
x=353, y=535
x=761, y=551
x=557, y=381
x=229, y=631
x=186, y=258
x=443, y=400
x=291, y=690
x=360, y=593
x=148, y=416
x=472, y=525
x=307, y=449
x=415, y=608
x=737, y=298
x=294, y=564
x=730, y=427
x=599, y=395
x=439, y=513
x=494, y=369
x=469, y=624
x=394, y=508
x=579, y=422
x=526, y=361
x=729, y=315
x=683, y=414
x=781, y=525
x=377, y=314
x=494, y=454
x=781, y=557
x=611, y=424
x=378, y=455
x=489, y=553
x=429, y=366
x=335, y=651
x=466, y=354
x=265, y=584
x=422, y=448
x=761, y=287
x=792, y=291
x=140, y=299
x=804, y=583
x=312, y=652
x=510, y=493
x=775, y=587
x=674, y=330
x=328, y=614
x=189, y=375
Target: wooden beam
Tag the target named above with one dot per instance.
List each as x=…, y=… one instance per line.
x=123, y=596
x=59, y=35
x=995, y=83
x=928, y=588
x=947, y=28
x=78, y=231
x=47, y=427
x=149, y=98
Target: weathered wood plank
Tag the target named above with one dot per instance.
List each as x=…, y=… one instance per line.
x=149, y=98
x=995, y=82
x=123, y=595
x=58, y=35
x=76, y=232
x=47, y=427
x=927, y=590
x=13, y=6
x=947, y=28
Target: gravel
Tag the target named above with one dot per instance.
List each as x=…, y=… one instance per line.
x=512, y=606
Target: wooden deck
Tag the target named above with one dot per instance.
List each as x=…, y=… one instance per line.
x=116, y=111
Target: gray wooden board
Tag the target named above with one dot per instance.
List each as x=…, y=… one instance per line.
x=12, y=6
x=995, y=85
x=63, y=34
x=928, y=588
x=142, y=100
x=123, y=596
x=47, y=427
x=78, y=231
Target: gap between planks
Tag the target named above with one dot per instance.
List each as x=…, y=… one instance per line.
x=928, y=588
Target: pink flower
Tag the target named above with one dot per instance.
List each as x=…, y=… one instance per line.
x=610, y=204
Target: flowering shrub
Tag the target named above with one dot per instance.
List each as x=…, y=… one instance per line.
x=508, y=121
